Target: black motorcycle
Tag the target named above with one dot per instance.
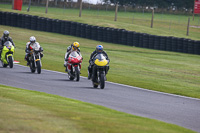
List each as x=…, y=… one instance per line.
x=100, y=69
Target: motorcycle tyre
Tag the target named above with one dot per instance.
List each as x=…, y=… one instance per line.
x=4, y=65
x=94, y=85
x=102, y=81
x=77, y=74
x=32, y=67
x=10, y=59
x=70, y=77
x=38, y=67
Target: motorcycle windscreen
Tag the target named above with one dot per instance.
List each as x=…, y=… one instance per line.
x=8, y=44
x=74, y=54
x=100, y=60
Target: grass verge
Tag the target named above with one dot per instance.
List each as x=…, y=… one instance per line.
x=36, y=112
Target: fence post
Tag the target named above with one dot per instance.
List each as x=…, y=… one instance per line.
x=188, y=26
x=29, y=5
x=13, y=4
x=80, y=8
x=116, y=9
x=47, y=6
x=152, y=18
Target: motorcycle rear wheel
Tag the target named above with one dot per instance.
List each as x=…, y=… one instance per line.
x=4, y=65
x=32, y=67
x=94, y=85
x=10, y=59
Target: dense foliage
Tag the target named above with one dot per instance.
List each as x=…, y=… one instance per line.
x=188, y=4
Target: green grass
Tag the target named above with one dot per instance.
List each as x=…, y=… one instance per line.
x=170, y=72
x=25, y=111
x=164, y=24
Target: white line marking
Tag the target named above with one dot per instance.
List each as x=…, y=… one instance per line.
x=129, y=86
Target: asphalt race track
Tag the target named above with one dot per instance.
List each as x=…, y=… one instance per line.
x=182, y=111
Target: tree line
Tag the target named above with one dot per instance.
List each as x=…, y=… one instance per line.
x=178, y=4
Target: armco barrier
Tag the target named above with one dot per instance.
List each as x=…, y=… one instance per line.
x=104, y=34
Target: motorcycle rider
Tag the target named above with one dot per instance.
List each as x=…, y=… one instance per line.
x=5, y=38
x=99, y=49
x=73, y=47
x=29, y=45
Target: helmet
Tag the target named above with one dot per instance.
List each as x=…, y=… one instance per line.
x=75, y=45
x=5, y=34
x=99, y=48
x=32, y=39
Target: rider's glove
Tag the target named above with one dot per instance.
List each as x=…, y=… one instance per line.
x=66, y=59
x=91, y=62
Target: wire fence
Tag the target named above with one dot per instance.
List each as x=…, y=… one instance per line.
x=172, y=24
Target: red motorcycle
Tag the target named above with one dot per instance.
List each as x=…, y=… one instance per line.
x=74, y=65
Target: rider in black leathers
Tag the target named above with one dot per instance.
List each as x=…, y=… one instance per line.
x=99, y=49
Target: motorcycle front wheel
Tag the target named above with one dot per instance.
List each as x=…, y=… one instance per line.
x=102, y=81
x=10, y=60
x=38, y=67
x=77, y=74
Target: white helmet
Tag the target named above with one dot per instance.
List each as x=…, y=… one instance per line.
x=32, y=39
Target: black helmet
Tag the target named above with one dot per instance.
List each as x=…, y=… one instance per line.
x=5, y=34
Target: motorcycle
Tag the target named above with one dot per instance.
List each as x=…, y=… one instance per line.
x=35, y=59
x=74, y=65
x=100, y=69
x=7, y=54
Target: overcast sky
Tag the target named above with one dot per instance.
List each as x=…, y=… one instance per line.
x=92, y=1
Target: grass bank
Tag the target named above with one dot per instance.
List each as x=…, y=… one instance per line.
x=30, y=111
x=164, y=24
x=170, y=72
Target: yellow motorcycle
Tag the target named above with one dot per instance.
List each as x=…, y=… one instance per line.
x=7, y=54
x=100, y=69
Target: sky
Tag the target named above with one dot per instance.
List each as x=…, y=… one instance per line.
x=91, y=1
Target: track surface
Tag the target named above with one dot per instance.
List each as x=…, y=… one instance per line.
x=182, y=111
